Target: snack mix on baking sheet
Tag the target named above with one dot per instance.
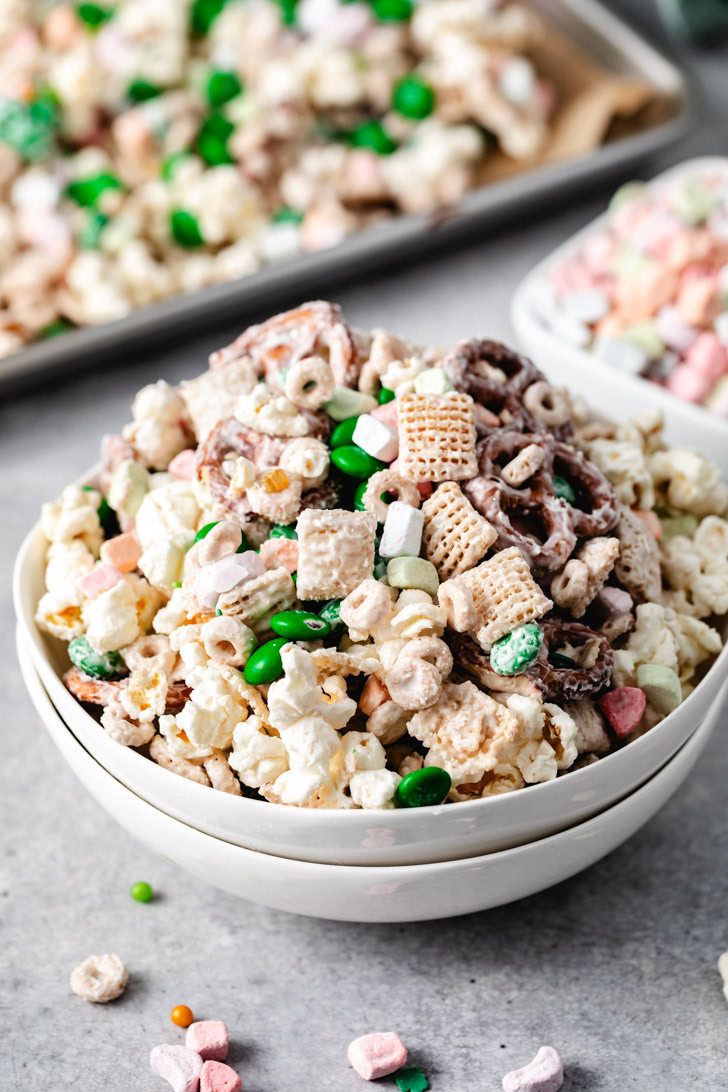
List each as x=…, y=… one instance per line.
x=150, y=149
x=648, y=294
x=485, y=590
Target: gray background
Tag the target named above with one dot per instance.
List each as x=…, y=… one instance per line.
x=616, y=967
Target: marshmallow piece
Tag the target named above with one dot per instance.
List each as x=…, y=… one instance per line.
x=623, y=708
x=217, y=1077
x=346, y=402
x=708, y=357
x=615, y=600
x=432, y=381
x=676, y=334
x=183, y=464
x=544, y=1074
x=377, y=1054
x=376, y=437
x=209, y=1039
x=661, y=686
x=98, y=580
x=122, y=551
x=402, y=534
x=413, y=572
x=723, y=971
x=224, y=575
x=517, y=81
x=720, y=327
x=589, y=305
x=570, y=329
x=178, y=1066
x=621, y=354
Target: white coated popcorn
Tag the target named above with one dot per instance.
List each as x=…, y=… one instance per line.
x=624, y=465
x=111, y=618
x=59, y=613
x=297, y=695
x=162, y=561
x=171, y=615
x=158, y=428
x=144, y=696
x=270, y=413
x=689, y=481
x=167, y=510
x=241, y=473
x=74, y=515
x=212, y=712
x=374, y=789
x=296, y=787
x=66, y=562
x=310, y=744
x=258, y=758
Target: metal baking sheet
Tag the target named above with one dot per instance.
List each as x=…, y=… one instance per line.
x=600, y=34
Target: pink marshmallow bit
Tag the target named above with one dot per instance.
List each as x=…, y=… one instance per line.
x=598, y=251
x=178, y=1066
x=544, y=1074
x=209, y=1039
x=623, y=708
x=183, y=465
x=708, y=357
x=698, y=301
x=122, y=552
x=386, y=413
x=650, y=520
x=277, y=553
x=676, y=334
x=218, y=1077
x=571, y=277
x=377, y=1054
x=224, y=575
x=688, y=384
x=100, y=579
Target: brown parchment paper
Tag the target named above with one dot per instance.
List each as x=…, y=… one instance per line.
x=593, y=105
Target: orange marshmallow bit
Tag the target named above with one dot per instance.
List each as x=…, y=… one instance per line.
x=122, y=551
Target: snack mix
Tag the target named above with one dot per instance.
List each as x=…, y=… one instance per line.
x=339, y=569
x=648, y=293
x=150, y=149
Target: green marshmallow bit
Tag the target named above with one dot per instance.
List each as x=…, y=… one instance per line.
x=300, y=625
x=331, y=613
x=392, y=11
x=423, y=788
x=433, y=381
x=385, y=395
x=374, y=136
x=629, y=264
x=343, y=433
x=56, y=328
x=355, y=462
x=675, y=523
x=645, y=336
x=90, y=235
x=661, y=686
x=94, y=15
x=184, y=229
x=128, y=486
x=222, y=87
x=626, y=194
x=265, y=664
x=288, y=11
x=513, y=653
x=413, y=98
x=280, y=530
x=212, y=140
x=413, y=572
x=203, y=14
x=99, y=665
x=87, y=191
x=286, y=215
x=564, y=490
x=141, y=90
x=348, y=403
x=411, y=1079
x=693, y=202
x=29, y=128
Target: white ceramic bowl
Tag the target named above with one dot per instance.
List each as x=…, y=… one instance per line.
x=406, y=836
x=371, y=894
x=582, y=371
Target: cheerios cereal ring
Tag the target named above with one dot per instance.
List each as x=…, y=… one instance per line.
x=100, y=978
x=430, y=649
x=549, y=405
x=388, y=481
x=309, y=382
x=152, y=648
x=601, y=509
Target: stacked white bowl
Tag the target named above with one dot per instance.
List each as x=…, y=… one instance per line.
x=396, y=865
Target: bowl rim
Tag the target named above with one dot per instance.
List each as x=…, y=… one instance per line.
x=523, y=314
x=315, y=816
x=693, y=745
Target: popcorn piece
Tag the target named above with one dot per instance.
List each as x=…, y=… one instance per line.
x=241, y=475
x=158, y=430
x=455, y=536
x=256, y=601
x=297, y=694
x=624, y=465
x=265, y=411
x=111, y=619
x=437, y=437
x=335, y=552
x=376, y=438
x=162, y=562
x=145, y=695
x=377, y=1054
x=74, y=515
x=402, y=534
x=169, y=509
x=219, y=702
x=308, y=459
x=415, y=615
x=59, y=613
x=504, y=594
x=178, y=1066
x=258, y=758
x=688, y=481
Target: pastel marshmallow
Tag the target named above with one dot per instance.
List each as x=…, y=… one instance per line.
x=615, y=600
x=402, y=534
x=433, y=381
x=674, y=332
x=209, y=1039
x=623, y=708
x=178, y=1066
x=661, y=686
x=720, y=327
x=376, y=437
x=697, y=302
x=589, y=305
x=622, y=354
x=99, y=579
x=688, y=384
x=708, y=357
x=121, y=552
x=651, y=521
x=218, y=1077
x=183, y=465
x=377, y=1054
x=386, y=413
x=544, y=1074
x=224, y=575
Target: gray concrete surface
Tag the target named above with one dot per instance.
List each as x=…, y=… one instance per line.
x=615, y=967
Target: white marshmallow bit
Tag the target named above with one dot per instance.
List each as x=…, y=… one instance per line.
x=402, y=534
x=433, y=381
x=622, y=354
x=589, y=305
x=376, y=438
x=570, y=329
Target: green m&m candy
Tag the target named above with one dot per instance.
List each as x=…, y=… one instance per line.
x=204, y=13
x=355, y=462
x=86, y=191
x=265, y=664
x=557, y=659
x=286, y=215
x=343, y=433
x=331, y=613
x=359, y=496
x=385, y=395
x=212, y=140
x=300, y=625
x=413, y=97
x=141, y=90
x=280, y=530
x=411, y=1079
x=204, y=532
x=423, y=788
x=392, y=11
x=184, y=228
x=374, y=136
x=519, y=648
x=564, y=490
x=171, y=163
x=99, y=665
x=222, y=87
x=94, y=15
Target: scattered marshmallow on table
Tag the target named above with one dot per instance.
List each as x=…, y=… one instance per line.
x=178, y=1066
x=209, y=1039
x=218, y=1077
x=377, y=1054
x=544, y=1074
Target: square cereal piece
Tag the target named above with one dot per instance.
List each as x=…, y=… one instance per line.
x=256, y=601
x=505, y=595
x=455, y=536
x=436, y=437
x=335, y=552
